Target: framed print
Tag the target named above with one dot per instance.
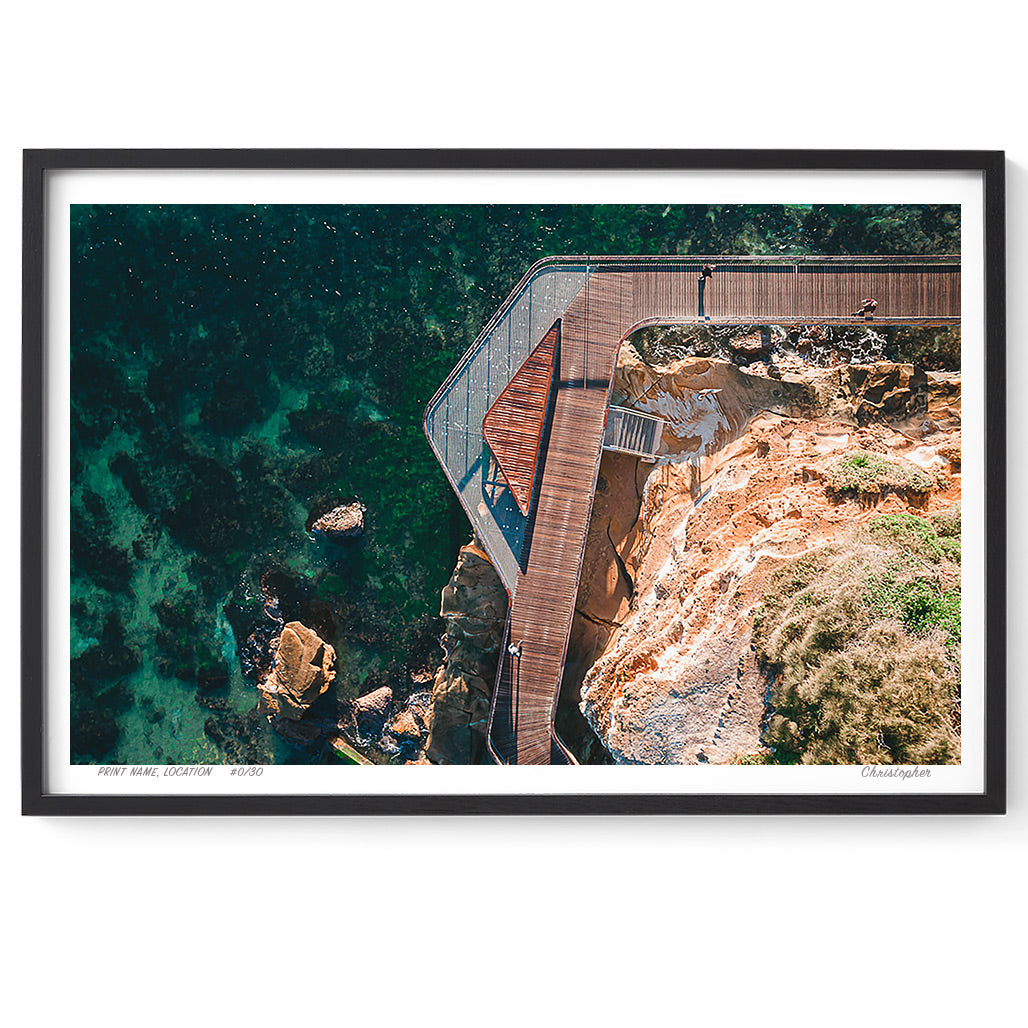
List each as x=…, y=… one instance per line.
x=513, y=482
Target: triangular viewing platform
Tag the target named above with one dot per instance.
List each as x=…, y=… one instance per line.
x=513, y=426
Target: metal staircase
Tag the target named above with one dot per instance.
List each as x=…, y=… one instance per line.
x=631, y=431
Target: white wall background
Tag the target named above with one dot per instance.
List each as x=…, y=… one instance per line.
x=741, y=921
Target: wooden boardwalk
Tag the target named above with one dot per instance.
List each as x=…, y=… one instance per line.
x=554, y=493
x=525, y=696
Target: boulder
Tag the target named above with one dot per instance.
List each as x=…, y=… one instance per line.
x=751, y=346
x=405, y=727
x=302, y=672
x=346, y=522
x=370, y=711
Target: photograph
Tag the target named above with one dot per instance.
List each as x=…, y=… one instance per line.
x=709, y=508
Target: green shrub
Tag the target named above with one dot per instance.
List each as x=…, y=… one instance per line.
x=915, y=534
x=870, y=473
x=861, y=641
x=947, y=522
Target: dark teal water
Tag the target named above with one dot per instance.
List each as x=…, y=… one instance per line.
x=235, y=369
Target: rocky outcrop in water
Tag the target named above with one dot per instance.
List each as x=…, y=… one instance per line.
x=388, y=725
x=474, y=604
x=341, y=523
x=371, y=710
x=303, y=671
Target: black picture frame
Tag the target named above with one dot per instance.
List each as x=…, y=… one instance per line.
x=39, y=163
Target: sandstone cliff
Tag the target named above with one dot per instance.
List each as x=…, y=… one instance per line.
x=681, y=553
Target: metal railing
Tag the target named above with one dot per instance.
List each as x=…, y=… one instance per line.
x=453, y=419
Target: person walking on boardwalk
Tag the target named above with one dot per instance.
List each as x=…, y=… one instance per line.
x=705, y=272
x=867, y=309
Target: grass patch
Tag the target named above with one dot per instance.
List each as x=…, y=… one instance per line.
x=932, y=539
x=870, y=474
x=861, y=642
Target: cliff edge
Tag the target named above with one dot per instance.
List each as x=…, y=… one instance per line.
x=758, y=467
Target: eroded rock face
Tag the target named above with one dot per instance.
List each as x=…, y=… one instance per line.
x=883, y=391
x=303, y=671
x=679, y=554
x=474, y=604
x=944, y=399
x=607, y=586
x=707, y=403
